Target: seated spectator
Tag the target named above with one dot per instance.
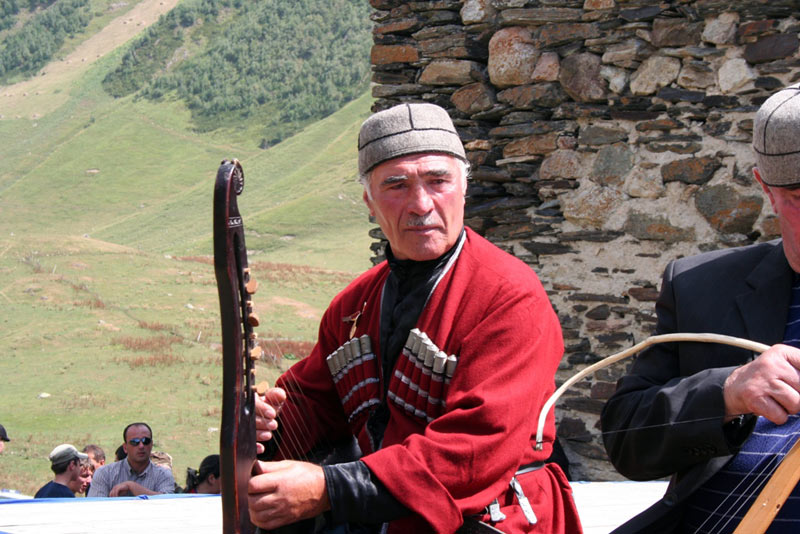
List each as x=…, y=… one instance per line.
x=163, y=459
x=96, y=456
x=120, y=453
x=206, y=478
x=3, y=438
x=65, y=462
x=136, y=474
x=84, y=479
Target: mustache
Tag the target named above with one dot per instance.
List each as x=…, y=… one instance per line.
x=421, y=220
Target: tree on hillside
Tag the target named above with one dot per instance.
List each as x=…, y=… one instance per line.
x=288, y=62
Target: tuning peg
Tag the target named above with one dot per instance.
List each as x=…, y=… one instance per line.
x=252, y=319
x=261, y=388
x=256, y=352
x=251, y=286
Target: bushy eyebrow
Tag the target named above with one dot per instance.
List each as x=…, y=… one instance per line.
x=429, y=173
x=393, y=179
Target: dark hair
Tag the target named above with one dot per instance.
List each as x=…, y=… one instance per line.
x=125, y=432
x=120, y=453
x=62, y=467
x=209, y=466
x=95, y=452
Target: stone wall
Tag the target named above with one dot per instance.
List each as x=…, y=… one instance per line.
x=607, y=138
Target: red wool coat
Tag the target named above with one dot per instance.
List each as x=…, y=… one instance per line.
x=490, y=311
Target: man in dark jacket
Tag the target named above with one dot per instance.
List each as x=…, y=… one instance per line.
x=713, y=417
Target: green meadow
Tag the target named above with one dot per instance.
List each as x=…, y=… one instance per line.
x=108, y=296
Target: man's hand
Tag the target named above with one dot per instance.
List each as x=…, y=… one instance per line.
x=768, y=386
x=285, y=492
x=267, y=408
x=130, y=489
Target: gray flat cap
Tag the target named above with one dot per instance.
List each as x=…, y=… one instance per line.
x=776, y=138
x=406, y=129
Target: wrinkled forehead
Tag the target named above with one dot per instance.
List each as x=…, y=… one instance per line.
x=422, y=163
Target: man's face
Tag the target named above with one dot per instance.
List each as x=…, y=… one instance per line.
x=138, y=452
x=75, y=482
x=94, y=463
x=2, y=445
x=786, y=204
x=82, y=481
x=418, y=201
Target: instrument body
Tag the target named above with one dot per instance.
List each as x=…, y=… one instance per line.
x=238, y=432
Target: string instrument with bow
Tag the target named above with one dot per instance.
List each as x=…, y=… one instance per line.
x=239, y=350
x=782, y=479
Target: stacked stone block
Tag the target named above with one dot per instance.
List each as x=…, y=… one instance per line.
x=606, y=137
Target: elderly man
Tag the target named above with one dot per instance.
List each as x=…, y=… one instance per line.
x=714, y=417
x=65, y=462
x=136, y=474
x=436, y=361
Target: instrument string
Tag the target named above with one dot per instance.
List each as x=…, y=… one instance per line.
x=292, y=435
x=758, y=476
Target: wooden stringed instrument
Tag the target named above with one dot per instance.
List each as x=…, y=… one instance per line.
x=239, y=350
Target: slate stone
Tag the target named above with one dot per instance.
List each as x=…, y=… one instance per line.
x=382, y=55
x=539, y=248
x=640, y=14
x=450, y=72
x=548, y=95
x=551, y=35
x=601, y=135
x=656, y=228
x=594, y=236
x=580, y=78
x=644, y=294
x=726, y=210
x=512, y=57
x=690, y=170
x=672, y=94
x=771, y=47
x=653, y=74
x=675, y=32
x=612, y=164
x=599, y=313
x=473, y=98
x=539, y=15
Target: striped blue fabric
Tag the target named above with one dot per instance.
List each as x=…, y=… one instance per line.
x=719, y=505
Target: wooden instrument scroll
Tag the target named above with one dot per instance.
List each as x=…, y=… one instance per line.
x=239, y=350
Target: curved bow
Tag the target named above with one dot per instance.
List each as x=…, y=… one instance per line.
x=614, y=358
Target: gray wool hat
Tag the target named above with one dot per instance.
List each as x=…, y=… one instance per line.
x=406, y=129
x=776, y=138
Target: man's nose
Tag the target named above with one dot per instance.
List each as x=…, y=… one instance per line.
x=420, y=201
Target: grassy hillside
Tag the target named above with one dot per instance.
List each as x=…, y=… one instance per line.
x=109, y=302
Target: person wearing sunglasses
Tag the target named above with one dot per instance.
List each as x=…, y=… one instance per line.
x=136, y=474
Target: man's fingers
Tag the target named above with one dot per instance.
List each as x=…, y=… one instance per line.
x=275, y=397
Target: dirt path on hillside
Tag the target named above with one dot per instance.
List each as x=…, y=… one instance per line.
x=37, y=96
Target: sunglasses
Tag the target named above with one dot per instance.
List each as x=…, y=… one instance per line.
x=144, y=441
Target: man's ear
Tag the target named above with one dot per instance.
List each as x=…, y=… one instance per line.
x=368, y=202
x=767, y=190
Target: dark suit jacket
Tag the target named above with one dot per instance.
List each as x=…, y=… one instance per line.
x=666, y=417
